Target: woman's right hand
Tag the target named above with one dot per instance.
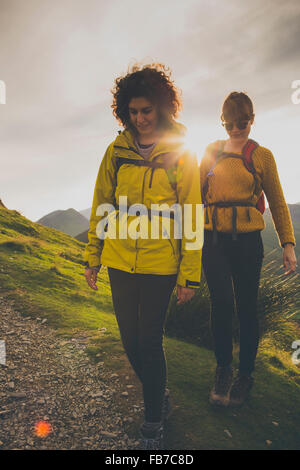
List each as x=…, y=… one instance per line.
x=91, y=277
x=184, y=294
x=289, y=259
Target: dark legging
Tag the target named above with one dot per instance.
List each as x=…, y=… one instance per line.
x=140, y=304
x=232, y=270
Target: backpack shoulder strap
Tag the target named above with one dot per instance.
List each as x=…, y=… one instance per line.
x=247, y=152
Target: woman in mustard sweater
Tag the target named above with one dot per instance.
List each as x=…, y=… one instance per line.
x=234, y=174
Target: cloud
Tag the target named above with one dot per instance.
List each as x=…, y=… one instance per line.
x=59, y=61
x=248, y=47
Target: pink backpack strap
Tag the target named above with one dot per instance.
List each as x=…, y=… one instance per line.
x=247, y=152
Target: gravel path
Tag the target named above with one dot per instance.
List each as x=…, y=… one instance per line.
x=51, y=379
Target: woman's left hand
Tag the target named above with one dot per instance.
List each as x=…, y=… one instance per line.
x=289, y=259
x=184, y=294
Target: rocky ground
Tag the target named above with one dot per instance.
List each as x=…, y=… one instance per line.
x=47, y=378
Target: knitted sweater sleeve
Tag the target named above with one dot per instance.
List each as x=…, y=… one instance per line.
x=278, y=206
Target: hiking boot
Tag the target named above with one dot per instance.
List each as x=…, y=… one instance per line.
x=240, y=389
x=151, y=439
x=219, y=394
x=166, y=408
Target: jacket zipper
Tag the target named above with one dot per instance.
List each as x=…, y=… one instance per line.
x=135, y=151
x=172, y=247
x=136, y=241
x=150, y=182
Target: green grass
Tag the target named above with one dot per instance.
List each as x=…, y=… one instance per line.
x=44, y=275
x=197, y=425
x=42, y=270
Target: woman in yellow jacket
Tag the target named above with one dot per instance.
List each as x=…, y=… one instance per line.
x=233, y=175
x=146, y=186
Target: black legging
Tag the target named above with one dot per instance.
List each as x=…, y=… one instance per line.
x=232, y=270
x=140, y=304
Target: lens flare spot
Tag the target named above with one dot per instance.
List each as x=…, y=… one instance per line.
x=42, y=428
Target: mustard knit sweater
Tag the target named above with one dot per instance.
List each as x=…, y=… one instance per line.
x=231, y=181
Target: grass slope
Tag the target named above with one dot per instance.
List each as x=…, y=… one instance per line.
x=42, y=270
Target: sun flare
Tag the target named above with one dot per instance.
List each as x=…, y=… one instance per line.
x=198, y=137
x=42, y=429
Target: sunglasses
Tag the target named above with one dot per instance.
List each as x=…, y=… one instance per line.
x=241, y=124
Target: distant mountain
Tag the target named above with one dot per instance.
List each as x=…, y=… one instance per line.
x=68, y=221
x=86, y=213
x=83, y=237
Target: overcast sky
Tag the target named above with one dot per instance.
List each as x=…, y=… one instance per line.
x=59, y=59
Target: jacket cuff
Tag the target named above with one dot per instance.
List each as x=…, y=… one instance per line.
x=92, y=259
x=97, y=268
x=192, y=284
x=182, y=281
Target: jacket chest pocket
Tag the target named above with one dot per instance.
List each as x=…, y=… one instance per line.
x=130, y=180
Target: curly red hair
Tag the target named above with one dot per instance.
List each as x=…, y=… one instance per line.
x=151, y=81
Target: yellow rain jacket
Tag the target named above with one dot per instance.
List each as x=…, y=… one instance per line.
x=177, y=184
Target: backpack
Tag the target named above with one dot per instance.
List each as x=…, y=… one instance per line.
x=246, y=157
x=217, y=155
